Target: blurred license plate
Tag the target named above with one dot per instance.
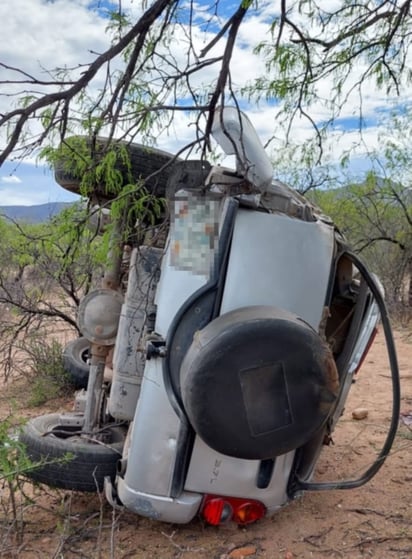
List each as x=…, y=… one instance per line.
x=194, y=233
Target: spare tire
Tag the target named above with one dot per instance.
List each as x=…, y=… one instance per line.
x=67, y=460
x=75, y=361
x=145, y=162
x=258, y=382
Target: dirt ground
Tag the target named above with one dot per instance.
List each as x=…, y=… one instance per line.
x=372, y=521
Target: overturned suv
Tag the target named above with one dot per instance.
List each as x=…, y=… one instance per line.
x=235, y=341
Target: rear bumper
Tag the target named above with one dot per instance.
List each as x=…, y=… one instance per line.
x=179, y=510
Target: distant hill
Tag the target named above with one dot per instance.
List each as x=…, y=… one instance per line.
x=33, y=214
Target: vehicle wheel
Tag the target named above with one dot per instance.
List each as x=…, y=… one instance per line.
x=75, y=356
x=47, y=440
x=144, y=162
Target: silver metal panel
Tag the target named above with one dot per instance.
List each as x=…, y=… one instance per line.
x=128, y=361
x=267, y=267
x=152, y=450
x=215, y=473
x=174, y=287
x=369, y=324
x=179, y=510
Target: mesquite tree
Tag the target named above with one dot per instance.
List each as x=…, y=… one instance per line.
x=178, y=57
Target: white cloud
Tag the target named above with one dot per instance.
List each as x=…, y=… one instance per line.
x=39, y=35
x=10, y=179
x=9, y=197
x=34, y=185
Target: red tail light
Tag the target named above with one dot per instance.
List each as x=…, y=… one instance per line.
x=217, y=510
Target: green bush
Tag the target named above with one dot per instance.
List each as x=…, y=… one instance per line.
x=44, y=363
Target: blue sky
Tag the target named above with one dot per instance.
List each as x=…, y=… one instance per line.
x=29, y=184
x=41, y=35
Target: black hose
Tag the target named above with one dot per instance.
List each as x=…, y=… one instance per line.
x=396, y=394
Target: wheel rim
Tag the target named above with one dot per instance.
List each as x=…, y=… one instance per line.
x=85, y=355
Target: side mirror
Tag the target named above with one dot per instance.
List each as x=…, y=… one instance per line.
x=235, y=134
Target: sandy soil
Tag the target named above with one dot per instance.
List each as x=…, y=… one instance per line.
x=372, y=521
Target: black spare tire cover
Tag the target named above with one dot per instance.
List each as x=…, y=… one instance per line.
x=258, y=382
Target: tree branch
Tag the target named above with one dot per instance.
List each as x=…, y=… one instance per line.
x=23, y=114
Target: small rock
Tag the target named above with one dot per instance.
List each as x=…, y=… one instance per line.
x=360, y=413
x=289, y=555
x=241, y=552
